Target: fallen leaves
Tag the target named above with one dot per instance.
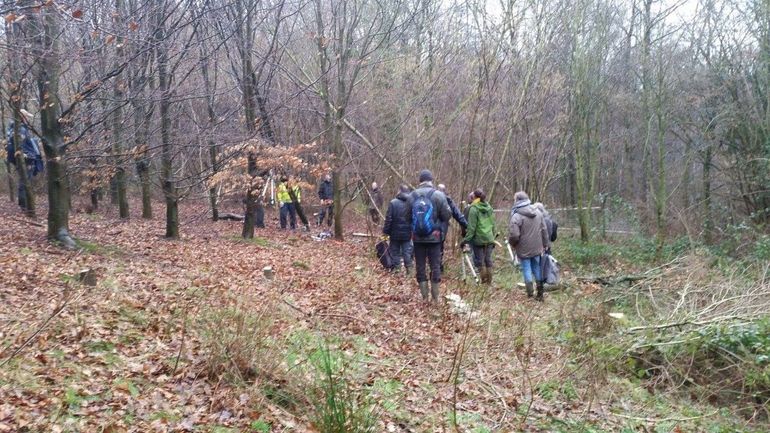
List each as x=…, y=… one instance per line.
x=109, y=361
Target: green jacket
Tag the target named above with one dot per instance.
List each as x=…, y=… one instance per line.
x=481, y=224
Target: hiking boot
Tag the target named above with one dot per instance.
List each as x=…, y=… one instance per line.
x=424, y=290
x=540, y=290
x=530, y=288
x=486, y=276
x=434, y=290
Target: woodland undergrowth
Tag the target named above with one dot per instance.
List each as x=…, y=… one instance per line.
x=189, y=335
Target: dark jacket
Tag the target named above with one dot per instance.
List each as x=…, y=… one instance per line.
x=398, y=220
x=550, y=224
x=377, y=199
x=552, y=227
x=29, y=146
x=441, y=212
x=325, y=190
x=456, y=214
x=527, y=232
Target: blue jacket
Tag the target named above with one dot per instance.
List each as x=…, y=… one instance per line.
x=441, y=213
x=30, y=148
x=398, y=219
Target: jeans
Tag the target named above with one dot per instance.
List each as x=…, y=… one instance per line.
x=401, y=250
x=328, y=213
x=531, y=266
x=482, y=255
x=424, y=253
x=288, y=210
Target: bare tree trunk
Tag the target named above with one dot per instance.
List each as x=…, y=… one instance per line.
x=212, y=146
x=252, y=196
x=117, y=125
x=167, y=173
x=8, y=169
x=26, y=196
x=48, y=71
x=708, y=225
x=11, y=183
x=142, y=116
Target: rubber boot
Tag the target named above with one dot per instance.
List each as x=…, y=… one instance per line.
x=424, y=290
x=408, y=271
x=434, y=290
x=530, y=288
x=489, y=276
x=540, y=290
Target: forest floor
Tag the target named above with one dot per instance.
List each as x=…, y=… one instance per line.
x=189, y=335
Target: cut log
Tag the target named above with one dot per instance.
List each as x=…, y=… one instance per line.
x=231, y=216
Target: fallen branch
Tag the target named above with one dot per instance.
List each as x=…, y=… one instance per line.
x=617, y=280
x=19, y=220
x=58, y=310
x=689, y=322
x=231, y=216
x=664, y=420
x=342, y=316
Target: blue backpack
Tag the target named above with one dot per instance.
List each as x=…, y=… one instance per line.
x=422, y=215
x=29, y=147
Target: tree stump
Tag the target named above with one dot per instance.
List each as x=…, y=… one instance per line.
x=87, y=277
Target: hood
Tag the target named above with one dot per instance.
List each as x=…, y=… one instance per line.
x=524, y=207
x=484, y=208
x=403, y=196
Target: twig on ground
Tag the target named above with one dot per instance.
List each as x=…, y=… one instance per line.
x=19, y=220
x=662, y=420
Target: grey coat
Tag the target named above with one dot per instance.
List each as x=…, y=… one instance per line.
x=527, y=231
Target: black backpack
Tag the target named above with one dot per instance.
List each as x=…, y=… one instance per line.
x=383, y=254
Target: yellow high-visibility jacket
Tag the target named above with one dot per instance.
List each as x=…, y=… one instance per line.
x=283, y=193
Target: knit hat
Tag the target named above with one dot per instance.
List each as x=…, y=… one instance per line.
x=425, y=176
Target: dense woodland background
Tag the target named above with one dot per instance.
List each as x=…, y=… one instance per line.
x=643, y=125
x=660, y=107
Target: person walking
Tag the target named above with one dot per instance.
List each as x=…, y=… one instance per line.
x=457, y=215
x=29, y=152
x=550, y=224
x=326, y=195
x=398, y=228
x=481, y=234
x=429, y=211
x=528, y=235
x=286, y=204
x=376, y=203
